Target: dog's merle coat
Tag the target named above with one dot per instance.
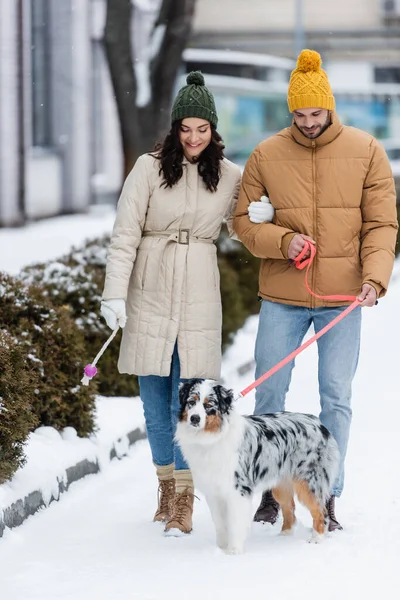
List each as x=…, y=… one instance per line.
x=232, y=456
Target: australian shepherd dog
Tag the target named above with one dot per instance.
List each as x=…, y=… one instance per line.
x=233, y=456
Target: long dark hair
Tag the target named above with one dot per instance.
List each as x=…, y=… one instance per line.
x=170, y=155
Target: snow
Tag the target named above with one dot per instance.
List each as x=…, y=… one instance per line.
x=50, y=452
x=51, y=238
x=99, y=542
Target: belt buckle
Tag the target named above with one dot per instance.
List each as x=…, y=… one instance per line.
x=183, y=236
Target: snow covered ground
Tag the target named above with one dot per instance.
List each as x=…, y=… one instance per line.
x=50, y=238
x=99, y=542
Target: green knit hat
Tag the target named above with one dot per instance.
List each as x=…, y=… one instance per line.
x=194, y=100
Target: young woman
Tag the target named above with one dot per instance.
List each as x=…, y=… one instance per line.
x=162, y=279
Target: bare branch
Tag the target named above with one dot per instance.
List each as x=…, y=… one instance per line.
x=117, y=41
x=141, y=127
x=178, y=16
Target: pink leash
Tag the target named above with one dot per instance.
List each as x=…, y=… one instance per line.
x=301, y=264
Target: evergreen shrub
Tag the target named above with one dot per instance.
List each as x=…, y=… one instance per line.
x=54, y=348
x=17, y=390
x=75, y=282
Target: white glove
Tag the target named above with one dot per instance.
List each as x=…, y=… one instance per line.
x=262, y=211
x=114, y=312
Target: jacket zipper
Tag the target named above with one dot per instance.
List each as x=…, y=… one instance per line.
x=314, y=230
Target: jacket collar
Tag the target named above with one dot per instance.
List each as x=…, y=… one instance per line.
x=187, y=162
x=327, y=137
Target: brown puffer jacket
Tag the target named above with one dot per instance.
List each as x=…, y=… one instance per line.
x=337, y=189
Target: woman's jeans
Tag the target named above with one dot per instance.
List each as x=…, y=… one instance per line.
x=281, y=330
x=160, y=397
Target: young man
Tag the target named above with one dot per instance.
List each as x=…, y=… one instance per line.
x=332, y=185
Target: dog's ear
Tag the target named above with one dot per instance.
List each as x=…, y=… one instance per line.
x=224, y=397
x=185, y=390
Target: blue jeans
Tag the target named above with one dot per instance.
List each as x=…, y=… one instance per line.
x=281, y=330
x=160, y=397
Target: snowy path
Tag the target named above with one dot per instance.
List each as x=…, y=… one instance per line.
x=98, y=542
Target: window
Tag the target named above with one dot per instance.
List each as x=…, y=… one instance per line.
x=41, y=72
x=387, y=74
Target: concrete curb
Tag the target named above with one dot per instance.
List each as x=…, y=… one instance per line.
x=19, y=511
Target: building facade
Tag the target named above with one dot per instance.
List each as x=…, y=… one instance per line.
x=60, y=147
x=59, y=140
x=340, y=30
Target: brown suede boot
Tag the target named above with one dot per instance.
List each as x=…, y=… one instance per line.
x=182, y=513
x=166, y=491
x=166, y=495
x=268, y=510
x=333, y=523
x=182, y=509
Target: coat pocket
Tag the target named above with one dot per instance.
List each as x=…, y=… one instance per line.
x=356, y=245
x=140, y=269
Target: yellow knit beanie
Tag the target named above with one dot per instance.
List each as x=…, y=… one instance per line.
x=309, y=86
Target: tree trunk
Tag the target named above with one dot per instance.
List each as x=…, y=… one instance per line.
x=118, y=48
x=142, y=127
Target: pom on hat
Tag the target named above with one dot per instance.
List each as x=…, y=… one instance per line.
x=195, y=78
x=194, y=100
x=309, y=85
x=309, y=60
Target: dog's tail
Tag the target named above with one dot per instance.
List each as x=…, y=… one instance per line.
x=333, y=461
x=323, y=477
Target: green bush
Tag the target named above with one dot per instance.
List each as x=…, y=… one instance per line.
x=239, y=285
x=75, y=282
x=54, y=348
x=233, y=312
x=18, y=384
x=246, y=266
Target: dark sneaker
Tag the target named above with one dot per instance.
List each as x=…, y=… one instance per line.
x=268, y=510
x=333, y=523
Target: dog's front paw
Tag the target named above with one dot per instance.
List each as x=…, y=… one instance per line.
x=316, y=538
x=222, y=543
x=234, y=550
x=287, y=532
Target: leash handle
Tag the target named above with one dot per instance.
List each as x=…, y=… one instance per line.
x=301, y=263
x=91, y=370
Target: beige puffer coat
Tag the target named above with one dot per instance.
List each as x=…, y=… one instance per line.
x=337, y=189
x=170, y=280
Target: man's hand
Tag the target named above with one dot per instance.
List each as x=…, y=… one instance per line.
x=368, y=295
x=297, y=245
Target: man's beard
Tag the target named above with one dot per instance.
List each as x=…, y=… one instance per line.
x=319, y=131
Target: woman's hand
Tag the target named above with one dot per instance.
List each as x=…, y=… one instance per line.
x=261, y=211
x=114, y=312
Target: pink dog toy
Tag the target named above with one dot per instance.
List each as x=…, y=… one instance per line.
x=91, y=370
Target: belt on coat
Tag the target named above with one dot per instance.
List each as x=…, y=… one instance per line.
x=180, y=236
